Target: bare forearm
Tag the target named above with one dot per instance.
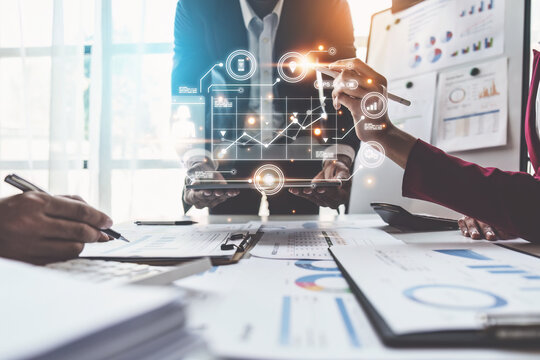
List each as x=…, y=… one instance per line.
x=397, y=145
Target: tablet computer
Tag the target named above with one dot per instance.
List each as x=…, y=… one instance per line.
x=245, y=185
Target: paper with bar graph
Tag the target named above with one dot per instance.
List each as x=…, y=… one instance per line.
x=472, y=111
x=442, y=287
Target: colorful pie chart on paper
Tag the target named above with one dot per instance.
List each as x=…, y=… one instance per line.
x=317, y=265
x=334, y=283
x=431, y=41
x=414, y=47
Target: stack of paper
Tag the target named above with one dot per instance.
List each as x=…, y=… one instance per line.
x=48, y=315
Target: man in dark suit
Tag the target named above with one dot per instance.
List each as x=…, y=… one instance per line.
x=207, y=32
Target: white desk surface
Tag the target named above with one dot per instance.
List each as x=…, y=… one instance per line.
x=439, y=237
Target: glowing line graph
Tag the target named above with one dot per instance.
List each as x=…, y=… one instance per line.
x=351, y=129
x=243, y=85
x=208, y=72
x=281, y=133
x=271, y=141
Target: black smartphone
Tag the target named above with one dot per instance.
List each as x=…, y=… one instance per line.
x=397, y=216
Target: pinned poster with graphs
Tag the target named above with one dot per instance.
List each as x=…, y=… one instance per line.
x=472, y=106
x=436, y=34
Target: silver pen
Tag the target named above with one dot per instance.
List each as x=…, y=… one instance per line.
x=334, y=74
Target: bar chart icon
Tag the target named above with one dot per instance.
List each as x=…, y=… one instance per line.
x=373, y=107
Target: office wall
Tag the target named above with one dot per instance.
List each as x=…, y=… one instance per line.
x=384, y=183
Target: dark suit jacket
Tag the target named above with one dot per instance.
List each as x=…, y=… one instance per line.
x=207, y=31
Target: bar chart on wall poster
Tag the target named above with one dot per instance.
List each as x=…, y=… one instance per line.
x=471, y=30
x=472, y=106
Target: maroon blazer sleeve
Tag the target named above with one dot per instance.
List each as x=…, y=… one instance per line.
x=509, y=201
x=531, y=135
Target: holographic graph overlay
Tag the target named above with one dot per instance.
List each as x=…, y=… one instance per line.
x=300, y=133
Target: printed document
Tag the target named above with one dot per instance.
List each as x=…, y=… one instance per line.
x=438, y=287
x=472, y=111
x=314, y=244
x=168, y=241
x=294, y=309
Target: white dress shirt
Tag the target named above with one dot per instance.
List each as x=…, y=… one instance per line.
x=261, y=39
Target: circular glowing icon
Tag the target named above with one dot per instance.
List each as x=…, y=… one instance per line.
x=332, y=51
x=292, y=67
x=371, y=154
x=374, y=105
x=269, y=179
x=241, y=65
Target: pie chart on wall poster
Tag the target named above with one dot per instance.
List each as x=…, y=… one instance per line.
x=435, y=55
x=415, y=61
x=447, y=37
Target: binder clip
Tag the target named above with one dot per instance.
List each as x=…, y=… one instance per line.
x=244, y=236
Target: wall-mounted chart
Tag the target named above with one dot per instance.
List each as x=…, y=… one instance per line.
x=471, y=30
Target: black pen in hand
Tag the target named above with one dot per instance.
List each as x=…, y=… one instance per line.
x=25, y=185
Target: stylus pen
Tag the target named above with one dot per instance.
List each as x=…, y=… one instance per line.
x=334, y=74
x=164, y=223
x=25, y=185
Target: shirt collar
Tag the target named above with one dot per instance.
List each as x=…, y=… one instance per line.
x=248, y=14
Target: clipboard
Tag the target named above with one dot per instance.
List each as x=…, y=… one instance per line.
x=240, y=241
x=508, y=333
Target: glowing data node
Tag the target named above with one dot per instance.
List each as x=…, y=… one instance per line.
x=332, y=51
x=241, y=65
x=371, y=154
x=269, y=179
x=292, y=67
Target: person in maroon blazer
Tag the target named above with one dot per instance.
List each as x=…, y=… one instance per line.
x=508, y=201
